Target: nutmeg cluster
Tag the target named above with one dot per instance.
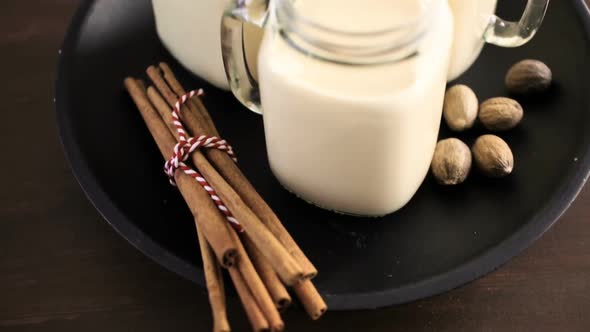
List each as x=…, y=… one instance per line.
x=452, y=159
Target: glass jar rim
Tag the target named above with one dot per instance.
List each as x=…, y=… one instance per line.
x=315, y=39
x=287, y=10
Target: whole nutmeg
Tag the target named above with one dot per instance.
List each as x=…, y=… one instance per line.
x=500, y=113
x=460, y=107
x=528, y=77
x=493, y=156
x=451, y=161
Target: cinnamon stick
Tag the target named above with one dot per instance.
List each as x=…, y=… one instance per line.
x=278, y=291
x=310, y=299
x=204, y=121
x=281, y=260
x=257, y=288
x=255, y=316
x=207, y=217
x=198, y=120
x=215, y=289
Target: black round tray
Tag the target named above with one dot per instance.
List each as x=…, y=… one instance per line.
x=443, y=238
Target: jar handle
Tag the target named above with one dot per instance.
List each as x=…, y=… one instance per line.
x=513, y=34
x=241, y=81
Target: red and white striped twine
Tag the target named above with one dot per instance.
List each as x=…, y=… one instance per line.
x=187, y=145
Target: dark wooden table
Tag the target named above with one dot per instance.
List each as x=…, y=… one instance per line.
x=62, y=268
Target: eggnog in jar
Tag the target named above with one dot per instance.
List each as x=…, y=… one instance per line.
x=190, y=30
x=355, y=138
x=351, y=91
x=471, y=19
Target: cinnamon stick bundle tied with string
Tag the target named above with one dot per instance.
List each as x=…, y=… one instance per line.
x=215, y=239
x=285, y=265
x=198, y=121
x=247, y=271
x=207, y=218
x=265, y=257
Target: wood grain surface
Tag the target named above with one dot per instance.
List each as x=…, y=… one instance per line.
x=62, y=268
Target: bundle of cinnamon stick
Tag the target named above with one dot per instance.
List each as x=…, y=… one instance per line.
x=264, y=259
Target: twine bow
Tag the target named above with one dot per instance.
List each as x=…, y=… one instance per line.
x=187, y=145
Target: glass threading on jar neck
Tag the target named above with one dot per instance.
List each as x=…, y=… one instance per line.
x=397, y=42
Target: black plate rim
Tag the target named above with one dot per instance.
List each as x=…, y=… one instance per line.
x=471, y=270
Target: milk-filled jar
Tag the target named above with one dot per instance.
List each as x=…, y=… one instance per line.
x=351, y=91
x=190, y=30
x=476, y=24
x=351, y=94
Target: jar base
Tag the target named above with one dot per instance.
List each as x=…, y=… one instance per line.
x=340, y=212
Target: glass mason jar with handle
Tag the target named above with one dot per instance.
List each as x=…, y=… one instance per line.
x=351, y=92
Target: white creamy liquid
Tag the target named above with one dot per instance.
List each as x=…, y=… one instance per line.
x=190, y=30
x=356, y=139
x=471, y=18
